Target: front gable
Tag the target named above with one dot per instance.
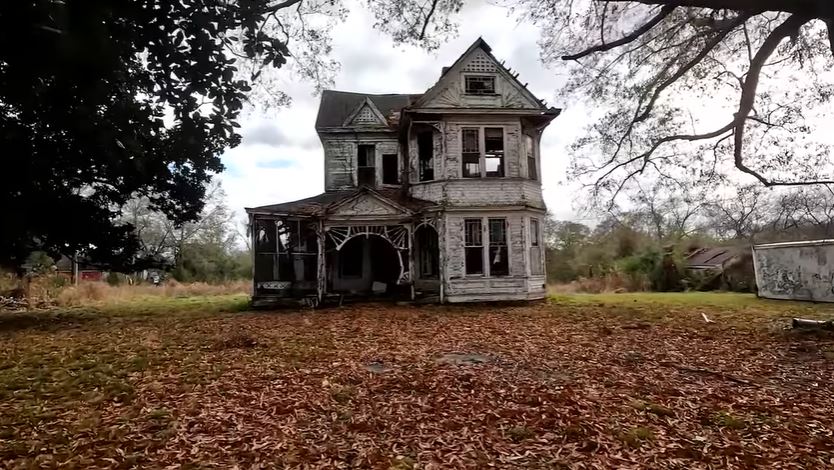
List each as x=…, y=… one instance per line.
x=478, y=64
x=367, y=203
x=366, y=114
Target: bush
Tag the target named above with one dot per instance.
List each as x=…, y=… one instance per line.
x=114, y=279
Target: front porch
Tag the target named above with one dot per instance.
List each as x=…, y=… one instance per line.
x=360, y=246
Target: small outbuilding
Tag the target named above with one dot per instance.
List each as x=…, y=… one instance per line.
x=799, y=270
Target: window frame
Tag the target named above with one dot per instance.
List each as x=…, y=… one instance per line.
x=535, y=247
x=486, y=246
x=469, y=244
x=481, y=128
x=532, y=160
x=372, y=166
x=425, y=166
x=480, y=76
x=505, y=245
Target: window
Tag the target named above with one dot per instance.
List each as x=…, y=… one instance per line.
x=473, y=246
x=532, y=172
x=536, y=267
x=366, y=162
x=498, y=263
x=286, y=250
x=471, y=153
x=390, y=169
x=425, y=155
x=480, y=85
x=494, y=151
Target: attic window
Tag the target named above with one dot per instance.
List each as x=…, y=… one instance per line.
x=480, y=85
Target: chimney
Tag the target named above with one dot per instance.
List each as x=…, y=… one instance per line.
x=443, y=71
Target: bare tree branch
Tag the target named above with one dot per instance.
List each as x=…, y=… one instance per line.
x=428, y=19
x=664, y=12
x=814, y=8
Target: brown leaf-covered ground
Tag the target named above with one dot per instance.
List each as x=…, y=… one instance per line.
x=577, y=382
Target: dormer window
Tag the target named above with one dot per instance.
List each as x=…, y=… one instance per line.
x=480, y=85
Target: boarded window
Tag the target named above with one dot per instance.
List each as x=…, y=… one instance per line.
x=390, y=169
x=532, y=171
x=494, y=151
x=498, y=262
x=425, y=154
x=536, y=265
x=366, y=162
x=473, y=246
x=471, y=153
x=480, y=85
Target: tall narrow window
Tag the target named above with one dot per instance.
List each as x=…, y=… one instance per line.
x=480, y=85
x=494, y=151
x=532, y=171
x=498, y=263
x=471, y=153
x=473, y=246
x=390, y=169
x=425, y=155
x=366, y=163
x=536, y=265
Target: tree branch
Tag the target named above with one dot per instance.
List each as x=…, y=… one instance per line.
x=428, y=19
x=788, y=28
x=829, y=23
x=664, y=12
x=278, y=6
x=803, y=7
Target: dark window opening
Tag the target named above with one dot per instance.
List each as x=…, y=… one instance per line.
x=498, y=261
x=480, y=85
x=390, y=169
x=367, y=168
x=428, y=252
x=473, y=246
x=286, y=250
x=352, y=258
x=471, y=153
x=532, y=172
x=494, y=151
x=425, y=153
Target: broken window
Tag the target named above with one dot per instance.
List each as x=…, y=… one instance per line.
x=367, y=167
x=471, y=153
x=532, y=172
x=536, y=266
x=390, y=169
x=425, y=155
x=285, y=250
x=498, y=263
x=480, y=85
x=494, y=151
x=473, y=246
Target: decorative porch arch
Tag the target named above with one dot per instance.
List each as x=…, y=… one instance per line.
x=397, y=235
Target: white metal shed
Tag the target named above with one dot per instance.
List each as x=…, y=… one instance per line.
x=800, y=270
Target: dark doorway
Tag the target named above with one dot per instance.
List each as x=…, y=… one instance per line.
x=364, y=266
x=428, y=252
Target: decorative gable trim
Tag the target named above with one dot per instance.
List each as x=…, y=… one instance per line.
x=478, y=58
x=366, y=191
x=366, y=109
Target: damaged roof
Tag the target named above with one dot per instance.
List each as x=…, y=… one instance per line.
x=318, y=205
x=336, y=106
x=711, y=257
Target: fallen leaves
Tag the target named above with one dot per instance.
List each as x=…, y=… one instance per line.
x=394, y=387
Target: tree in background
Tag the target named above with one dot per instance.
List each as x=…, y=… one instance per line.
x=648, y=65
x=102, y=102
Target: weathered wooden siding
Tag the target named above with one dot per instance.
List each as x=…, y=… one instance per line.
x=340, y=156
x=476, y=192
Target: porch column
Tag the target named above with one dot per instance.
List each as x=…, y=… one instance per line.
x=321, y=270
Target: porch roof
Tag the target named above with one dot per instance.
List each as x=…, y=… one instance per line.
x=319, y=205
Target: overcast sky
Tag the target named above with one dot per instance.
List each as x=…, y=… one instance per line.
x=281, y=158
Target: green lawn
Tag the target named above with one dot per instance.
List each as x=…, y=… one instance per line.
x=612, y=381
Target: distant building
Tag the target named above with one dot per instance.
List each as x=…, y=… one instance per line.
x=82, y=269
x=434, y=196
x=722, y=267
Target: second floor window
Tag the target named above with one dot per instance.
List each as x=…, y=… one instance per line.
x=425, y=155
x=390, y=169
x=532, y=172
x=366, y=159
x=482, y=152
x=471, y=153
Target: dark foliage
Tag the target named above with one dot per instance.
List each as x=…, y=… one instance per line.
x=102, y=101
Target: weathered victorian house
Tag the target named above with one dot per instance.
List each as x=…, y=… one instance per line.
x=434, y=196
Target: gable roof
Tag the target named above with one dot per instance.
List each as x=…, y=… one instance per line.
x=456, y=65
x=336, y=106
x=711, y=257
x=368, y=105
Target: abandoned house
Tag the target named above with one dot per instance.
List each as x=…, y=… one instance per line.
x=434, y=197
